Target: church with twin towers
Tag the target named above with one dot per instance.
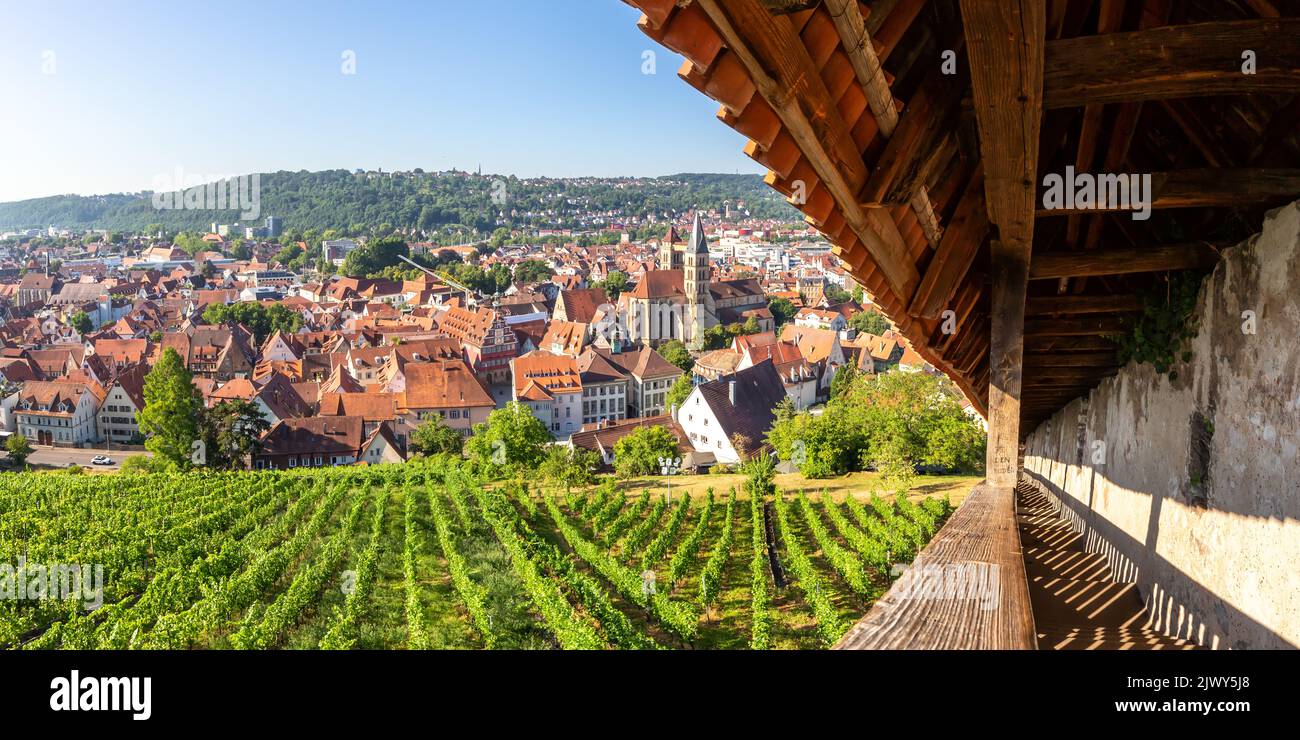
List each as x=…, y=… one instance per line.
x=681, y=300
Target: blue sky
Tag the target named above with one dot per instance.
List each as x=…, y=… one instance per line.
x=107, y=96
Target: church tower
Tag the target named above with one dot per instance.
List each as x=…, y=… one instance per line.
x=696, y=272
x=666, y=249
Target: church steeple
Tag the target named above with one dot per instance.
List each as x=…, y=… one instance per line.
x=696, y=272
x=699, y=244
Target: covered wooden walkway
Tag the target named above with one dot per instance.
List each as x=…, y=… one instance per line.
x=918, y=136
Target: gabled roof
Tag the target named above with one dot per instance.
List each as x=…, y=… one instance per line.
x=128, y=351
x=580, y=305
x=554, y=372
x=324, y=435
x=369, y=406
x=280, y=397
x=594, y=369
x=565, y=337
x=642, y=362
x=239, y=389
x=51, y=393
x=443, y=384
x=131, y=381
x=815, y=344
x=659, y=284
x=758, y=390
x=722, y=290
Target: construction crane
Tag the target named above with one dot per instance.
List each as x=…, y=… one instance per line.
x=469, y=292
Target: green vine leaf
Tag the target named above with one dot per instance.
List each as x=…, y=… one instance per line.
x=1159, y=335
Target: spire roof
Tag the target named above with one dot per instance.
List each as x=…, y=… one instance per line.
x=699, y=244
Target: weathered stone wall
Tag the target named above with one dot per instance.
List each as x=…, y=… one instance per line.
x=1192, y=486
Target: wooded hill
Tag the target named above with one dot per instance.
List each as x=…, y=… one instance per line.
x=445, y=201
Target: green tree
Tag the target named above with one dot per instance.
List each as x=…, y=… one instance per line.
x=172, y=410
x=883, y=421
x=261, y=320
x=532, y=271
x=189, y=243
x=717, y=337
x=434, y=438
x=232, y=431
x=845, y=376
x=639, y=452
x=836, y=294
x=569, y=467
x=510, y=438
x=19, y=449
x=869, y=321
x=783, y=310
x=614, y=284
x=80, y=322
x=678, y=391
x=372, y=258
x=675, y=352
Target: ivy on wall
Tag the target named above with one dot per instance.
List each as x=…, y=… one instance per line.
x=1160, y=334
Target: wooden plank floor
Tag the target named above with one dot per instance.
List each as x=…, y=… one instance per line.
x=978, y=551
x=1077, y=605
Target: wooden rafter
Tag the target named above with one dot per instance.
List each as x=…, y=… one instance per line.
x=852, y=29
x=1204, y=188
x=796, y=93
x=1055, y=265
x=1173, y=62
x=1077, y=304
x=961, y=241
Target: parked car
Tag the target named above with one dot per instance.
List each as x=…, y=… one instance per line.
x=101, y=460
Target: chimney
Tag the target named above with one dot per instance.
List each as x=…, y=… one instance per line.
x=731, y=391
x=672, y=411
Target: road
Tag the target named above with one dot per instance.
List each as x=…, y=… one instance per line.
x=59, y=457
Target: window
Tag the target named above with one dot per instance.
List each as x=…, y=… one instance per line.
x=319, y=460
x=293, y=462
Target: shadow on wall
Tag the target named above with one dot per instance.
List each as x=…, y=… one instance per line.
x=1188, y=486
x=1167, y=614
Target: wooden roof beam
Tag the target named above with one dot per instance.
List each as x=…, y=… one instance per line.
x=1098, y=326
x=1203, y=188
x=1109, y=19
x=1184, y=61
x=861, y=51
x=852, y=28
x=961, y=242
x=1085, y=304
x=1079, y=359
x=1055, y=265
x=796, y=93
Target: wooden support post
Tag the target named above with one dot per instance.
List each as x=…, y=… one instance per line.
x=1010, y=266
x=1005, y=43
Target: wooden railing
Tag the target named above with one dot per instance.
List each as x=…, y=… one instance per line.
x=965, y=591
